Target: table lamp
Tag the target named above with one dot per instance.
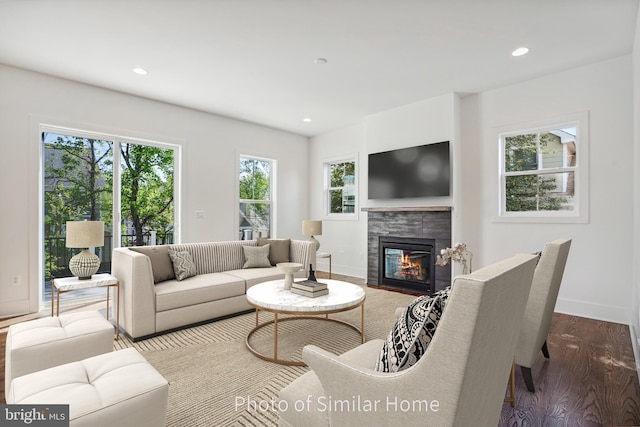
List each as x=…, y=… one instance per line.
x=312, y=228
x=84, y=235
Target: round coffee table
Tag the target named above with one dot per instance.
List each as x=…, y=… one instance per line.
x=272, y=297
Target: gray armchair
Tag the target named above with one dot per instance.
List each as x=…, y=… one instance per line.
x=542, y=300
x=460, y=380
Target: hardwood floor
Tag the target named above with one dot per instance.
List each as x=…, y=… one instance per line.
x=590, y=379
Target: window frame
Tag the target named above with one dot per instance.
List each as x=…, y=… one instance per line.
x=271, y=232
x=580, y=213
x=327, y=188
x=44, y=125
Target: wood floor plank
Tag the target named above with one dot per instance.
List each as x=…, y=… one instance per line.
x=590, y=379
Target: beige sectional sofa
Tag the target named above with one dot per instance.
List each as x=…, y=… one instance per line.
x=152, y=300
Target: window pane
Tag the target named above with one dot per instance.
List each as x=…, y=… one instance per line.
x=255, y=178
x=544, y=192
x=77, y=186
x=255, y=217
x=342, y=192
x=521, y=153
x=337, y=175
x=147, y=207
x=336, y=201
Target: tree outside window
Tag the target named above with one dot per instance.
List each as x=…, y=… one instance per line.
x=538, y=171
x=341, y=187
x=78, y=184
x=255, y=197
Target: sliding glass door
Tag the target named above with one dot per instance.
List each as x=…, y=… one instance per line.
x=127, y=184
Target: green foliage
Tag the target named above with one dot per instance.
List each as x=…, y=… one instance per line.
x=79, y=182
x=254, y=179
x=342, y=176
x=255, y=185
x=147, y=188
x=529, y=192
x=532, y=193
x=75, y=179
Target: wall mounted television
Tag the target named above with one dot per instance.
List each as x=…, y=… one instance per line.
x=422, y=171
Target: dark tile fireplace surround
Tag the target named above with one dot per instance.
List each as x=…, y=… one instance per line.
x=430, y=225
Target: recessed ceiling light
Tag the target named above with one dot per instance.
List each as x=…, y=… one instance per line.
x=320, y=61
x=141, y=71
x=520, y=51
x=306, y=120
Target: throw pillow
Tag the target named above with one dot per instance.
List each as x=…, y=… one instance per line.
x=411, y=335
x=161, y=264
x=256, y=256
x=278, y=251
x=183, y=264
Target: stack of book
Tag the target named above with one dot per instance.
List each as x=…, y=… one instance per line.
x=309, y=288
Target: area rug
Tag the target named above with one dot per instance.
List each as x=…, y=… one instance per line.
x=215, y=381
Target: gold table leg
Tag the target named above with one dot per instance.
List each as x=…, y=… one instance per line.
x=275, y=336
x=362, y=323
x=511, y=399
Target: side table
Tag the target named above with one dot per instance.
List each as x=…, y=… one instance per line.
x=325, y=255
x=68, y=284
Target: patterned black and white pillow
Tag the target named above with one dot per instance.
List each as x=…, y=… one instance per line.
x=411, y=335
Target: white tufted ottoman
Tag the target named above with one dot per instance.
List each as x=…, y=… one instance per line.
x=43, y=343
x=114, y=389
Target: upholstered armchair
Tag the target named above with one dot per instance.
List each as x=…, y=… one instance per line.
x=542, y=300
x=459, y=381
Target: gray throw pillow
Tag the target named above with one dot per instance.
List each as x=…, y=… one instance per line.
x=183, y=264
x=278, y=251
x=256, y=256
x=161, y=264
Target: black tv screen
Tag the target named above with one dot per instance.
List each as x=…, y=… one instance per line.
x=422, y=171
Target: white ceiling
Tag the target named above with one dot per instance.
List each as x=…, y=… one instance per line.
x=254, y=59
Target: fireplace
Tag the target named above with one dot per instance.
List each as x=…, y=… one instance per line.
x=407, y=263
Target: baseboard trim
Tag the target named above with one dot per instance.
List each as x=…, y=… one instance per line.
x=323, y=265
x=607, y=313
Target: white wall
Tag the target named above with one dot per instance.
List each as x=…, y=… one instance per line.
x=635, y=322
x=210, y=147
x=598, y=276
x=343, y=239
x=598, y=281
x=429, y=121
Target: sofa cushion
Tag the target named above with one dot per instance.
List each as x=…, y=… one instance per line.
x=256, y=256
x=278, y=249
x=253, y=276
x=183, y=265
x=197, y=290
x=161, y=264
x=411, y=335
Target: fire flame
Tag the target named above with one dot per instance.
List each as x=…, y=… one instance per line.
x=408, y=267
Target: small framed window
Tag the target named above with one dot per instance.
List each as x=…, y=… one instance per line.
x=341, y=194
x=256, y=197
x=543, y=172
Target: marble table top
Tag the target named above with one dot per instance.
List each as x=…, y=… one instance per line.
x=272, y=296
x=96, y=281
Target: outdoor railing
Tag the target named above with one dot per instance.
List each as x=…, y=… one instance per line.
x=57, y=255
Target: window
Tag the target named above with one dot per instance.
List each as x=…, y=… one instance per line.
x=256, y=197
x=341, y=189
x=543, y=173
x=100, y=177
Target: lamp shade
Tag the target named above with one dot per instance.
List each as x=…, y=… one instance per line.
x=312, y=228
x=85, y=234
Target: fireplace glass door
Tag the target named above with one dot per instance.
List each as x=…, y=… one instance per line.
x=407, y=263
